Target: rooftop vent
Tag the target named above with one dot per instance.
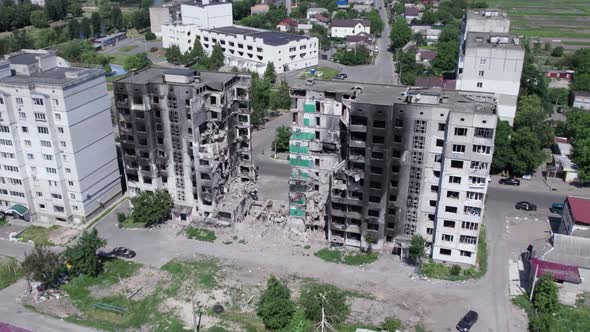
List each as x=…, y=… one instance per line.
x=71, y=74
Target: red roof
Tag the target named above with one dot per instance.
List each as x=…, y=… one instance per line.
x=427, y=54
x=561, y=272
x=412, y=11
x=580, y=209
x=9, y=328
x=288, y=22
x=562, y=140
x=321, y=18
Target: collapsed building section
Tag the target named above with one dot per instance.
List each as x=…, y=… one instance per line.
x=188, y=132
x=374, y=165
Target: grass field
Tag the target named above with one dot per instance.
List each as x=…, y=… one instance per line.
x=550, y=19
x=10, y=271
x=38, y=235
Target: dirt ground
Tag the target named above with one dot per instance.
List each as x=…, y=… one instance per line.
x=63, y=235
x=137, y=287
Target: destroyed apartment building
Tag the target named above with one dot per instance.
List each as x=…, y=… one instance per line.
x=188, y=132
x=378, y=164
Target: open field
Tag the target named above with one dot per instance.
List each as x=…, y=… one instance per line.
x=561, y=22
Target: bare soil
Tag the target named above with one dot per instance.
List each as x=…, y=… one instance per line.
x=137, y=287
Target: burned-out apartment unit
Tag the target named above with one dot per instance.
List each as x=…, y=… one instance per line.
x=188, y=132
x=380, y=163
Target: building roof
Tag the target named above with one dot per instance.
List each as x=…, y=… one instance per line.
x=493, y=40
x=427, y=54
x=581, y=93
x=580, y=209
x=4, y=327
x=411, y=11
x=54, y=76
x=361, y=37
x=562, y=140
x=155, y=74
x=491, y=14
x=561, y=272
x=268, y=37
x=350, y=23
x=570, y=250
x=24, y=58
x=288, y=22
x=321, y=18
x=435, y=82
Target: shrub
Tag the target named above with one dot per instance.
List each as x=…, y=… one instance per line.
x=455, y=270
x=42, y=265
x=150, y=35
x=391, y=324
x=121, y=217
x=275, y=307
x=333, y=301
x=200, y=234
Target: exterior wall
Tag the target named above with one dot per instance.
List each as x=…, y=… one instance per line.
x=254, y=54
x=63, y=146
x=342, y=32
x=567, y=220
x=582, y=102
x=159, y=16
x=207, y=17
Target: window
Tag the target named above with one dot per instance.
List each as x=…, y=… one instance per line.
x=434, y=189
x=440, y=142
x=455, y=179
x=483, y=61
x=453, y=194
x=22, y=115
x=50, y=170
x=468, y=239
x=46, y=144
x=56, y=196
x=429, y=230
x=417, y=157
x=57, y=116
x=420, y=126
x=75, y=207
x=5, y=142
x=460, y=131
x=477, y=180
x=432, y=203
x=480, y=84
x=451, y=209
x=19, y=101
x=445, y=252
x=4, y=129
x=458, y=148
x=68, y=170
x=55, y=102
x=479, y=165
x=72, y=196
x=11, y=168
x=27, y=142
x=47, y=157
x=481, y=73
x=447, y=237
x=1, y=101
x=17, y=193
x=474, y=196
x=442, y=126
x=43, y=130
x=71, y=183
x=38, y=101
x=469, y=225
x=465, y=253
x=63, y=144
x=449, y=223
x=39, y=194
x=418, y=142
x=40, y=116
x=58, y=208
x=60, y=130
x=483, y=149
x=456, y=164
x=472, y=211
x=484, y=132
x=16, y=182
x=25, y=129
x=7, y=155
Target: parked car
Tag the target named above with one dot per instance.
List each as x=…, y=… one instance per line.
x=526, y=206
x=341, y=76
x=118, y=252
x=509, y=182
x=556, y=208
x=467, y=322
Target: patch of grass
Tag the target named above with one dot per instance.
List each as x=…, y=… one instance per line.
x=355, y=259
x=216, y=328
x=203, y=273
x=10, y=271
x=248, y=321
x=38, y=235
x=3, y=221
x=118, y=58
x=127, y=48
x=323, y=73
x=307, y=247
x=200, y=234
x=131, y=225
x=567, y=318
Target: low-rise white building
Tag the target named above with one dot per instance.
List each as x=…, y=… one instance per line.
x=311, y=12
x=343, y=28
x=247, y=48
x=58, y=157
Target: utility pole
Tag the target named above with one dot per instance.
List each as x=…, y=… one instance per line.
x=534, y=282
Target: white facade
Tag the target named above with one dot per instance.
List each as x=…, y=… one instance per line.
x=207, y=16
x=341, y=30
x=492, y=63
x=248, y=48
x=487, y=20
x=57, y=143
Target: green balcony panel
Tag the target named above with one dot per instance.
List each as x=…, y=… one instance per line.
x=306, y=122
x=296, y=212
x=309, y=108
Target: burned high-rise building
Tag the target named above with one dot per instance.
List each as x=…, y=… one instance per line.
x=188, y=132
x=377, y=164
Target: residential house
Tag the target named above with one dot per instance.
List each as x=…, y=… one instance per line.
x=259, y=9
x=554, y=74
x=425, y=57
x=342, y=3
x=287, y=24
x=412, y=13
x=321, y=20
x=564, y=167
x=432, y=36
x=581, y=99
x=311, y=12
x=362, y=2
x=575, y=215
x=343, y=28
x=305, y=28
x=362, y=38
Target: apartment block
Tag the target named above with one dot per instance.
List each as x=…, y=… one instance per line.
x=491, y=60
x=188, y=132
x=376, y=164
x=59, y=161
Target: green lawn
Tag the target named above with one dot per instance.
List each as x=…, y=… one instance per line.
x=200, y=234
x=336, y=256
x=323, y=73
x=38, y=234
x=127, y=48
x=10, y=271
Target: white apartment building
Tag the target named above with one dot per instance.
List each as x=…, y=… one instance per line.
x=343, y=28
x=59, y=161
x=245, y=48
x=492, y=62
x=487, y=20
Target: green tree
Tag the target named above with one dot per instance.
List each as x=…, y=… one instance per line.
x=275, y=307
x=39, y=19
x=95, y=23
x=581, y=156
x=173, y=54
x=150, y=35
x=281, y=142
x=74, y=29
x=75, y=8
x=360, y=55
x=42, y=265
x=280, y=98
x=137, y=62
x=428, y=17
x=269, y=73
x=417, y=248
x=406, y=67
x=377, y=24
x=528, y=153
x=332, y=300
x=150, y=207
x=557, y=52
x=450, y=32
x=216, y=59
x=82, y=258
x=85, y=28
x=400, y=33
x=73, y=50
x=195, y=55
x=117, y=18
x=581, y=82
x=530, y=114
x=545, y=296
x=260, y=92
x=581, y=61
x=391, y=324
x=241, y=9
x=446, y=58
x=502, y=148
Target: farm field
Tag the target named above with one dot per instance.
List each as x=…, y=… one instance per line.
x=560, y=22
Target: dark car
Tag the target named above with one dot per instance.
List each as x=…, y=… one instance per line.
x=341, y=76
x=510, y=182
x=118, y=252
x=526, y=206
x=556, y=208
x=467, y=322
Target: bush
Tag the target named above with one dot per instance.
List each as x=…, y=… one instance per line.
x=391, y=324
x=150, y=35
x=417, y=246
x=333, y=301
x=455, y=270
x=557, y=52
x=275, y=307
x=200, y=234
x=42, y=265
x=121, y=218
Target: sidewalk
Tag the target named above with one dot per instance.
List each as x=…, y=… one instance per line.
x=538, y=184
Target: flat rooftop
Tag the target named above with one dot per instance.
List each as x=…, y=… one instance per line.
x=54, y=76
x=156, y=75
x=489, y=14
x=269, y=37
x=383, y=94
x=493, y=40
